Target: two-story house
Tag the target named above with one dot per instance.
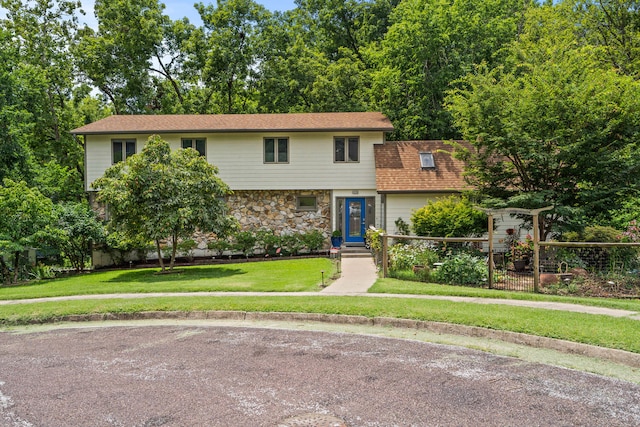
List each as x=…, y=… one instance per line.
x=288, y=172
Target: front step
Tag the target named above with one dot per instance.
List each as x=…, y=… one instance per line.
x=354, y=252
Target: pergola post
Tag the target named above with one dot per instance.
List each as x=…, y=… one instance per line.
x=490, y=250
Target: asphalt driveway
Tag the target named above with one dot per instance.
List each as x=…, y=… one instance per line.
x=186, y=375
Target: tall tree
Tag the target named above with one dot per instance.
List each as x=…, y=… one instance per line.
x=551, y=126
x=224, y=55
x=164, y=195
x=24, y=215
x=117, y=57
x=614, y=26
x=429, y=45
x=37, y=81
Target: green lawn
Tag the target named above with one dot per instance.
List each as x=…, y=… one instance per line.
x=266, y=276
x=394, y=286
x=605, y=331
x=305, y=275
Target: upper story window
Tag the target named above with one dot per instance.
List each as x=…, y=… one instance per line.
x=346, y=149
x=427, y=161
x=122, y=148
x=276, y=150
x=198, y=144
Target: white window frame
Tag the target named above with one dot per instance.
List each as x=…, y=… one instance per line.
x=348, y=151
x=124, y=144
x=276, y=150
x=193, y=143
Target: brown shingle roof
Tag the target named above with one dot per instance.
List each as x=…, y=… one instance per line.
x=294, y=122
x=398, y=168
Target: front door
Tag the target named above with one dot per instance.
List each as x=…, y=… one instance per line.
x=355, y=221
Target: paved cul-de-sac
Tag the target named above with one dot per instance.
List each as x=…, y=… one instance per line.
x=202, y=375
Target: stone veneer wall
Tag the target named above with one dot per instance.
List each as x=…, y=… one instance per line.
x=277, y=210
x=254, y=210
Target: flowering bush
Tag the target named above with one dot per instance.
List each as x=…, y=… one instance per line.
x=522, y=249
x=632, y=233
x=404, y=257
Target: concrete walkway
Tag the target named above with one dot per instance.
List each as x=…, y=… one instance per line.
x=358, y=275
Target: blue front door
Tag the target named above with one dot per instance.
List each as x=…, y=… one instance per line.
x=355, y=220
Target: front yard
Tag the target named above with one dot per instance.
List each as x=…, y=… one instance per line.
x=306, y=275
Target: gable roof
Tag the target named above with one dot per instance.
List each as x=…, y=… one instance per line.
x=210, y=123
x=398, y=168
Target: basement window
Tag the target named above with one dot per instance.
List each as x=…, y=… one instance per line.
x=427, y=161
x=306, y=203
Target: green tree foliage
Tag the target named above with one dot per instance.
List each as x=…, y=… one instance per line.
x=225, y=52
x=117, y=57
x=74, y=231
x=164, y=195
x=551, y=126
x=24, y=215
x=614, y=27
x=37, y=83
x=430, y=44
x=449, y=217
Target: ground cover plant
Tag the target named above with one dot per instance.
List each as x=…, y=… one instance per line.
x=605, y=331
x=266, y=276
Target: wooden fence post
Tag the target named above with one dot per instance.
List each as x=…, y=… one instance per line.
x=490, y=249
x=385, y=258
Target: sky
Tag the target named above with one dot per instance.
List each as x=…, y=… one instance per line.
x=177, y=9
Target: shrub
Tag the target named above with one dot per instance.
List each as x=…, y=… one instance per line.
x=186, y=248
x=449, y=217
x=268, y=241
x=245, y=242
x=404, y=257
x=602, y=259
x=313, y=240
x=119, y=245
x=219, y=245
x=374, y=238
x=462, y=269
x=292, y=243
x=402, y=226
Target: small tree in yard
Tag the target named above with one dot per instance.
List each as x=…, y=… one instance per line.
x=24, y=215
x=165, y=195
x=449, y=217
x=75, y=229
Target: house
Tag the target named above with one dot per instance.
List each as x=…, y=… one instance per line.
x=409, y=174
x=297, y=172
x=288, y=172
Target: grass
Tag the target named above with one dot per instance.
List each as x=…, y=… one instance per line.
x=267, y=276
x=605, y=331
x=395, y=286
x=305, y=275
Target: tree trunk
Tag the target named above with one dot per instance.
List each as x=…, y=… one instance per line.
x=6, y=276
x=16, y=266
x=159, y=255
x=174, y=244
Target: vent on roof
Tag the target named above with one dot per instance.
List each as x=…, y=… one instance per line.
x=426, y=161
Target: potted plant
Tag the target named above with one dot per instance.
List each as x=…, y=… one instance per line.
x=521, y=253
x=336, y=239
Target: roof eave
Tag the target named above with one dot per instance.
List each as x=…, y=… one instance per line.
x=422, y=191
x=285, y=130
